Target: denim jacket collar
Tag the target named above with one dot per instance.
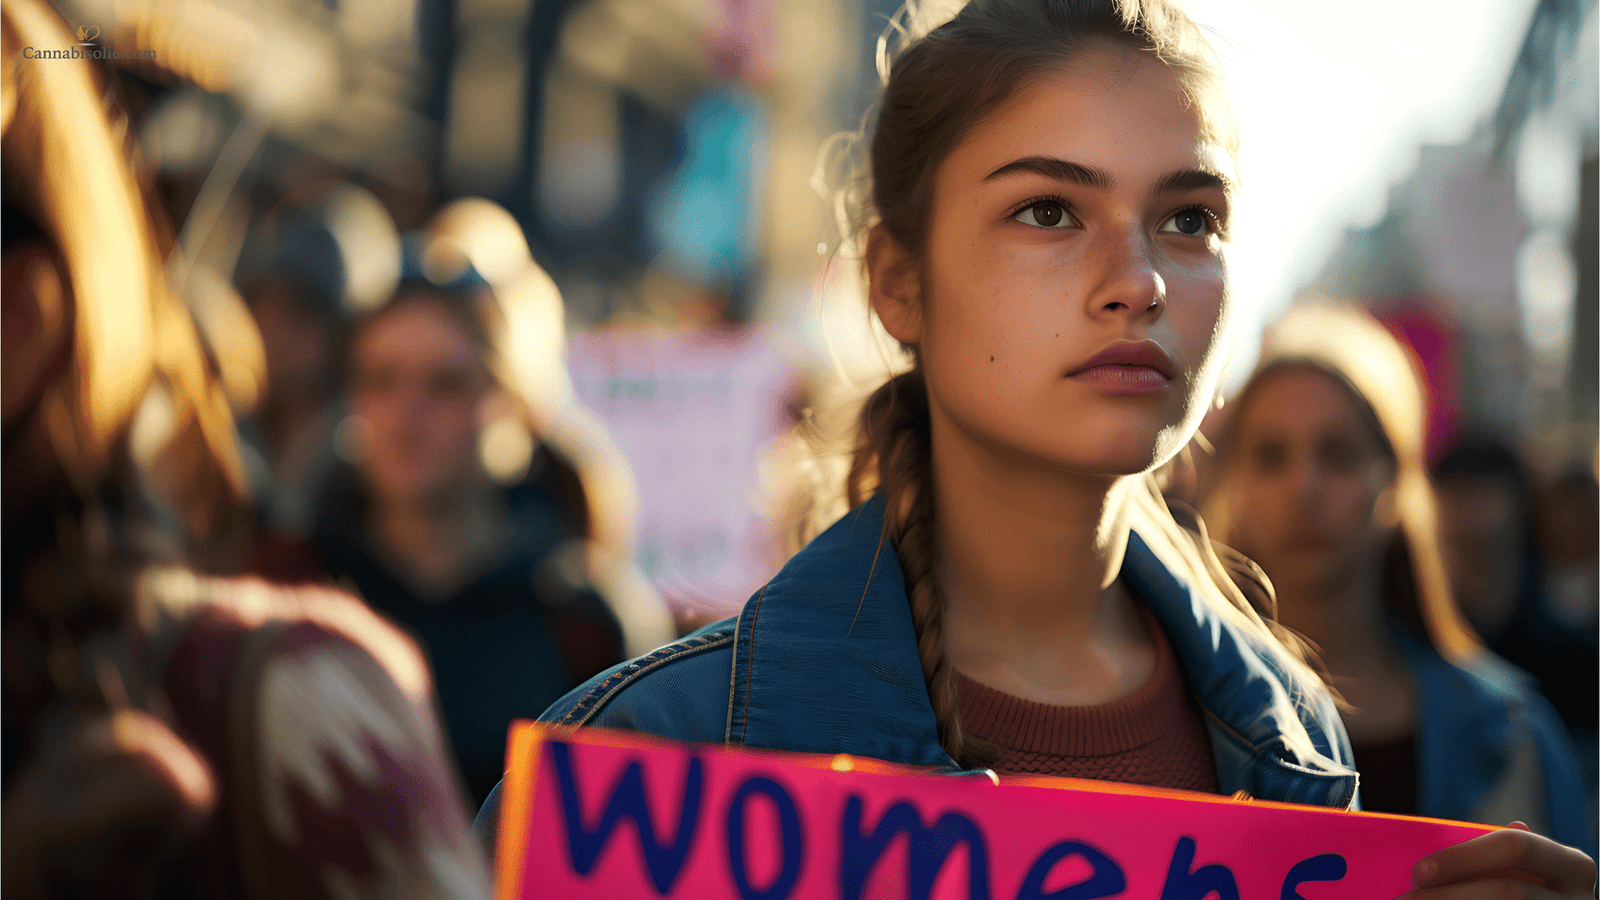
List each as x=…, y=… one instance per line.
x=831, y=636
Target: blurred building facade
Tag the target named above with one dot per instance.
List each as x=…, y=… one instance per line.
x=1487, y=257
x=656, y=151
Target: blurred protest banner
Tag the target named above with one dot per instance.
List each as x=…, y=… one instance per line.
x=694, y=411
x=596, y=813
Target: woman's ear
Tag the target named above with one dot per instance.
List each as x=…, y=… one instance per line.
x=894, y=286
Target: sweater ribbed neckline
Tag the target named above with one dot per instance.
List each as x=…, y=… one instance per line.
x=1105, y=729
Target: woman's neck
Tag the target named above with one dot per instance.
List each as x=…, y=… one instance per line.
x=1347, y=623
x=1029, y=557
x=437, y=542
x=1345, y=619
x=284, y=421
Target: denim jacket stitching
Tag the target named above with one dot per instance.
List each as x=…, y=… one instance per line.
x=1232, y=732
x=733, y=679
x=596, y=699
x=749, y=666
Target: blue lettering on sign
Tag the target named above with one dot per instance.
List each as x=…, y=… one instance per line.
x=1327, y=867
x=791, y=842
x=927, y=850
x=1183, y=884
x=1107, y=879
x=627, y=801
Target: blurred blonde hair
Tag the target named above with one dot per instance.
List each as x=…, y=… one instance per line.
x=139, y=379
x=1382, y=379
x=522, y=329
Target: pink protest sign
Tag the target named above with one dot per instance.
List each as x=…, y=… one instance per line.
x=592, y=813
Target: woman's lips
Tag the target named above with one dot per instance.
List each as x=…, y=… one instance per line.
x=1118, y=379
x=1127, y=367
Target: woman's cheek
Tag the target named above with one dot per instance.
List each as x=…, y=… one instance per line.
x=1354, y=504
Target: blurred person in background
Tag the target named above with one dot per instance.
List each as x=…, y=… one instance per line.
x=455, y=519
x=167, y=733
x=329, y=247
x=1486, y=531
x=297, y=300
x=1501, y=575
x=1321, y=481
x=1567, y=521
x=546, y=420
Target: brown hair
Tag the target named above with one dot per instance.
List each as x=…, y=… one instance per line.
x=943, y=84
x=1381, y=379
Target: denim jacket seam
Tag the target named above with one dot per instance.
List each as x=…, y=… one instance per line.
x=602, y=693
x=733, y=680
x=749, y=666
x=1255, y=751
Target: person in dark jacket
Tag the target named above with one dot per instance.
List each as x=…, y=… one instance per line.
x=482, y=558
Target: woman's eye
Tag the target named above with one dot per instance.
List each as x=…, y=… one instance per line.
x=1045, y=214
x=1267, y=458
x=449, y=384
x=1342, y=457
x=1193, y=222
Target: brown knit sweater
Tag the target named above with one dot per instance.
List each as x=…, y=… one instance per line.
x=1155, y=736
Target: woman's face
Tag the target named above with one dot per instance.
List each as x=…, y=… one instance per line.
x=1304, y=473
x=1085, y=215
x=416, y=386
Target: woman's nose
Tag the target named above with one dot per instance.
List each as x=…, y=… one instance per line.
x=1307, y=483
x=1130, y=285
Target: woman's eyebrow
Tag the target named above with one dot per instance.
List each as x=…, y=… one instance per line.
x=1058, y=169
x=1185, y=180
x=1087, y=176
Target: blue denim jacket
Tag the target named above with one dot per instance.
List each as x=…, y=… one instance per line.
x=1490, y=748
x=824, y=660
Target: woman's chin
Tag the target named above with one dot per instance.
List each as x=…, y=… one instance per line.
x=1119, y=458
x=413, y=489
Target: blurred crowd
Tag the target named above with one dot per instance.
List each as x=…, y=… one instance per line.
x=340, y=492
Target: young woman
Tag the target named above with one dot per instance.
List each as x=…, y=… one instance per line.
x=1322, y=483
x=489, y=572
x=1050, y=202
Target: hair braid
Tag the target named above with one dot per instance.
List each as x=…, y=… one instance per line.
x=895, y=440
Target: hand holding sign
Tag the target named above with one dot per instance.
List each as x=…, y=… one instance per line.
x=1513, y=862
x=591, y=813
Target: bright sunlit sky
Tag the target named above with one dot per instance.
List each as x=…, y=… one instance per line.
x=1333, y=100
